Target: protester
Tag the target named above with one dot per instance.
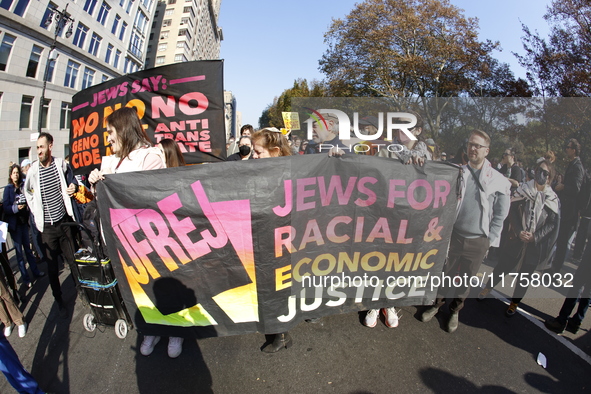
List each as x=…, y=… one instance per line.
x=568, y=192
x=244, y=150
x=584, y=206
x=482, y=209
x=49, y=199
x=413, y=151
x=25, y=165
x=270, y=143
x=16, y=213
x=303, y=147
x=581, y=292
x=172, y=153
x=10, y=315
x=246, y=130
x=15, y=373
x=325, y=135
x=529, y=236
x=443, y=156
x=133, y=151
x=511, y=170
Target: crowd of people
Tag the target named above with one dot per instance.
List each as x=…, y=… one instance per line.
x=523, y=213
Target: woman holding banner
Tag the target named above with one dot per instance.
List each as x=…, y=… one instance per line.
x=529, y=233
x=270, y=142
x=133, y=151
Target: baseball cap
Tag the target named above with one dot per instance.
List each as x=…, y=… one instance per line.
x=25, y=163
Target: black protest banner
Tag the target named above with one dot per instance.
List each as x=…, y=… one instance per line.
x=259, y=245
x=183, y=101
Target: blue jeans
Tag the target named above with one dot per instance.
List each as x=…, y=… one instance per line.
x=15, y=373
x=20, y=238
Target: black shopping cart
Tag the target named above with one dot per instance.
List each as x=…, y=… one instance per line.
x=98, y=285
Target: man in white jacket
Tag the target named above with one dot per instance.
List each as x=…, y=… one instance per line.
x=484, y=204
x=49, y=199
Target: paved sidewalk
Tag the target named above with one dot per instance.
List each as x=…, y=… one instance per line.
x=488, y=353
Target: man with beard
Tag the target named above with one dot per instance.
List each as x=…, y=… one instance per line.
x=49, y=185
x=483, y=207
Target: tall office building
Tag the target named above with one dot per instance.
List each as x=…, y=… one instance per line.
x=184, y=30
x=93, y=41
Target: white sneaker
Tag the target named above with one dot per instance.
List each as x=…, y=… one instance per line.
x=148, y=344
x=371, y=319
x=8, y=330
x=391, y=317
x=175, y=347
x=22, y=330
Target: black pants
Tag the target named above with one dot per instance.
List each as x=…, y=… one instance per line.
x=567, y=228
x=57, y=239
x=464, y=257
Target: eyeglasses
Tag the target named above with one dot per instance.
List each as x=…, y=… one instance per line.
x=476, y=146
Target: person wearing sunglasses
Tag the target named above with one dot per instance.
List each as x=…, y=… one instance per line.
x=511, y=170
x=530, y=234
x=482, y=209
x=569, y=190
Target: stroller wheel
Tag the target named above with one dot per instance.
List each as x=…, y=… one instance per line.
x=89, y=323
x=121, y=328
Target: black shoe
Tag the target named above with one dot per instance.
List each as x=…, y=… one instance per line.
x=62, y=310
x=573, y=327
x=453, y=322
x=554, y=325
x=282, y=340
x=428, y=314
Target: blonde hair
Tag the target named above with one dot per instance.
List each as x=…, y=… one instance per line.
x=270, y=140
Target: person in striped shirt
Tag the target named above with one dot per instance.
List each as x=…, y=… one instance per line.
x=48, y=188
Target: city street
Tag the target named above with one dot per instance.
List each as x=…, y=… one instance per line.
x=488, y=353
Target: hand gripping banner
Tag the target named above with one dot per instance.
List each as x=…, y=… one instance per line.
x=260, y=245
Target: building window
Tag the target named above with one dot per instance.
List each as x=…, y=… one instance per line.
x=185, y=21
x=136, y=44
x=50, y=68
x=164, y=35
x=169, y=11
x=87, y=78
x=95, y=42
x=149, y=49
x=80, y=35
x=160, y=59
x=141, y=20
x=21, y=7
x=34, y=61
x=71, y=74
x=23, y=153
x=117, y=57
x=162, y=46
x=26, y=107
x=182, y=32
x=129, y=6
x=166, y=22
x=89, y=6
x=171, y=1
x=105, y=78
x=108, y=54
x=5, y=49
x=45, y=113
x=49, y=11
x=122, y=32
x=178, y=57
x=103, y=13
x=186, y=9
x=122, y=2
x=115, y=24
x=65, y=115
